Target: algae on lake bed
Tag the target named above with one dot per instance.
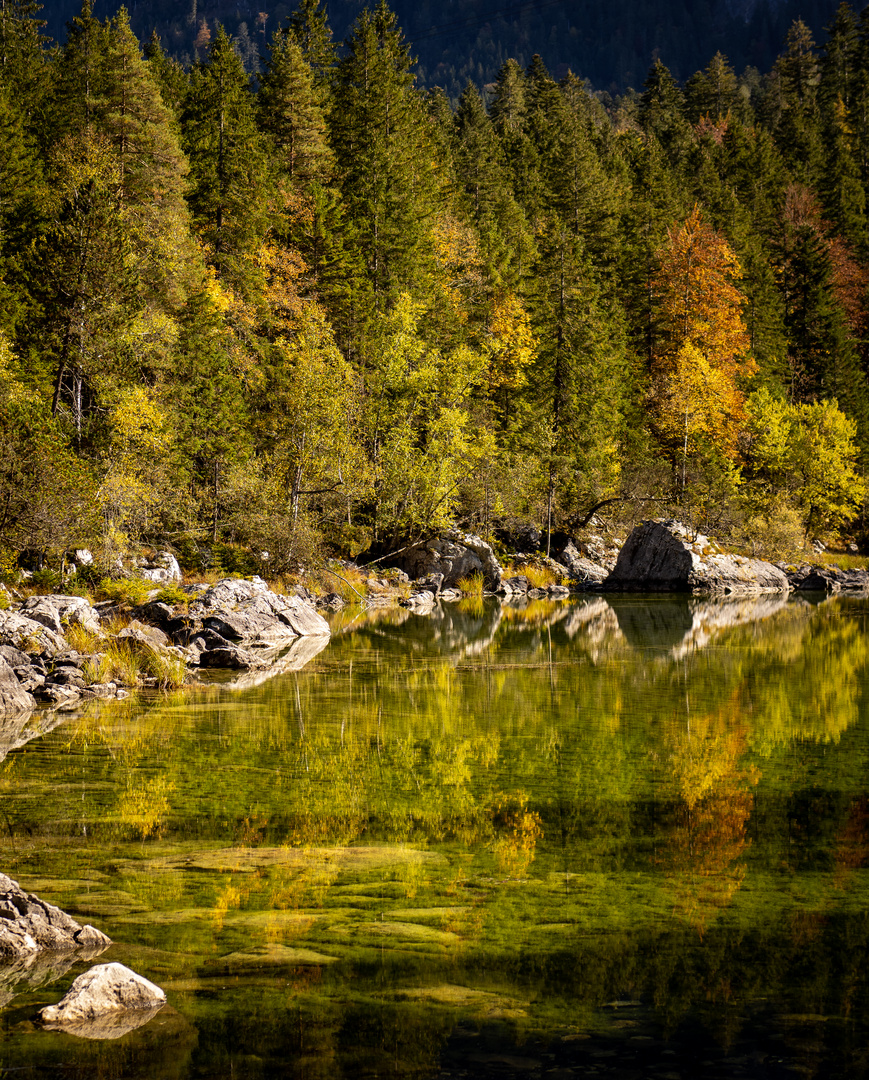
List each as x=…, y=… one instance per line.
x=476, y=819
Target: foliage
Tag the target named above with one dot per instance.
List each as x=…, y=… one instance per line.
x=806, y=456
x=132, y=591
x=320, y=311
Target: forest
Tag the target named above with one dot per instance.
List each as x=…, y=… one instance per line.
x=324, y=310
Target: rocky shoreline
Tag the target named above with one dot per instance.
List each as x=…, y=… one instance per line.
x=58, y=651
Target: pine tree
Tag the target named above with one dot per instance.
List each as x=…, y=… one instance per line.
x=384, y=154
x=291, y=116
x=579, y=385
x=509, y=113
x=662, y=112
x=171, y=77
x=228, y=194
x=23, y=67
x=309, y=28
x=822, y=356
x=798, y=132
x=77, y=79
x=579, y=190
x=714, y=92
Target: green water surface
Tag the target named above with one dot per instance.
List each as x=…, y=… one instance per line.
x=623, y=836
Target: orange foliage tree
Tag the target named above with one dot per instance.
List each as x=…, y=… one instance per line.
x=701, y=358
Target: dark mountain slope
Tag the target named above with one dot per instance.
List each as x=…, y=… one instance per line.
x=612, y=44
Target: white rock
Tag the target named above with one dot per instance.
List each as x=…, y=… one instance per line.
x=106, y=988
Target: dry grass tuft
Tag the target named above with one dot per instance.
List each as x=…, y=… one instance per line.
x=473, y=585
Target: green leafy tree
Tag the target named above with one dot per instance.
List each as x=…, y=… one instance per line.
x=807, y=455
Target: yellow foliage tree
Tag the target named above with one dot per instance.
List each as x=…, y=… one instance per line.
x=701, y=359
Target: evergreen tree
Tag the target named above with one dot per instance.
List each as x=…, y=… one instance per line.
x=579, y=385
x=822, y=356
x=291, y=116
x=798, y=132
x=23, y=66
x=662, y=112
x=309, y=28
x=509, y=113
x=715, y=92
x=384, y=154
x=228, y=195
x=505, y=239
x=171, y=77
x=579, y=190
x=77, y=78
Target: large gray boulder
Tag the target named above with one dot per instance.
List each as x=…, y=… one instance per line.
x=13, y=697
x=104, y=989
x=664, y=556
x=28, y=635
x=163, y=569
x=55, y=612
x=29, y=925
x=248, y=611
x=581, y=570
x=455, y=555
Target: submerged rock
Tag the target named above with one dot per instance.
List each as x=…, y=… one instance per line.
x=663, y=556
x=29, y=925
x=106, y=989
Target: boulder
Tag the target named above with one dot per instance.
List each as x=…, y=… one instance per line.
x=249, y=612
x=29, y=635
x=515, y=586
x=663, y=556
x=156, y=614
x=828, y=579
x=579, y=569
x=421, y=603
x=455, y=555
x=57, y=611
x=15, y=657
x=163, y=569
x=13, y=696
x=151, y=637
x=29, y=925
x=104, y=990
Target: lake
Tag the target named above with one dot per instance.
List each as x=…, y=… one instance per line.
x=610, y=837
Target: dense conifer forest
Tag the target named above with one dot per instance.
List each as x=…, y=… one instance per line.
x=325, y=309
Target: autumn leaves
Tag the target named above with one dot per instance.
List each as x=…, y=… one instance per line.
x=799, y=460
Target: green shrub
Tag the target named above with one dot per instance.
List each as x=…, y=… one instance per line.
x=173, y=595
x=131, y=591
x=45, y=581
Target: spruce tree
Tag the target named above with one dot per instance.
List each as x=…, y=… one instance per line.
x=23, y=67
x=509, y=112
x=228, y=195
x=309, y=28
x=662, y=112
x=798, y=132
x=291, y=116
x=384, y=154
x=505, y=238
x=171, y=77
